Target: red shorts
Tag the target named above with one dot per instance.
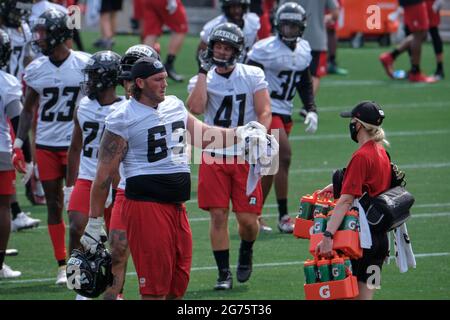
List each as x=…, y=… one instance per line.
x=117, y=222
x=156, y=15
x=160, y=241
x=51, y=164
x=218, y=182
x=433, y=17
x=416, y=17
x=138, y=9
x=7, y=183
x=80, y=199
x=281, y=122
x=319, y=64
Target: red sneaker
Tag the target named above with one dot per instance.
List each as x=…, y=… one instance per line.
x=420, y=77
x=388, y=63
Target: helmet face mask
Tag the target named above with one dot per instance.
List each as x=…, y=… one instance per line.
x=231, y=35
x=290, y=22
x=50, y=30
x=101, y=72
x=234, y=10
x=5, y=49
x=89, y=274
x=14, y=12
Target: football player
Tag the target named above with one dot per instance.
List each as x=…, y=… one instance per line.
x=147, y=135
x=234, y=11
x=230, y=94
x=118, y=242
x=53, y=89
x=101, y=78
x=285, y=59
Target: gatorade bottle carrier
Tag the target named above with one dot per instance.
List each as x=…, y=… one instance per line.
x=346, y=288
x=309, y=206
x=346, y=241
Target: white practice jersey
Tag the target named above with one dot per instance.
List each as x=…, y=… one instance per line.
x=122, y=182
x=283, y=68
x=250, y=30
x=21, y=47
x=59, y=94
x=156, y=137
x=91, y=118
x=10, y=90
x=230, y=101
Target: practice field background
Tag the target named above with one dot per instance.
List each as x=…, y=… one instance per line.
x=417, y=125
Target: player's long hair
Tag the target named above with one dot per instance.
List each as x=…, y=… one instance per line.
x=376, y=133
x=136, y=91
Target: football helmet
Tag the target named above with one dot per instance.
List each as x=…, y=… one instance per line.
x=14, y=12
x=89, y=274
x=50, y=30
x=290, y=22
x=133, y=54
x=230, y=34
x=5, y=48
x=226, y=5
x=101, y=72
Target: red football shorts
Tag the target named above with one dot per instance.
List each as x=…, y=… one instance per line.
x=117, y=222
x=279, y=123
x=80, y=199
x=160, y=241
x=51, y=164
x=220, y=182
x=7, y=183
x=156, y=16
x=416, y=17
x=433, y=17
x=138, y=9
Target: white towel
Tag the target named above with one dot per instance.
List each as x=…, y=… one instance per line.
x=364, y=231
x=404, y=255
x=261, y=157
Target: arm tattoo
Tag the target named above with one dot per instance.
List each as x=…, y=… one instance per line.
x=112, y=148
x=106, y=184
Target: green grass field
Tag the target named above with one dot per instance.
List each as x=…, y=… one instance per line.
x=417, y=125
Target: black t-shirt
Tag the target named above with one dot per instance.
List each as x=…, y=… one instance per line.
x=405, y=3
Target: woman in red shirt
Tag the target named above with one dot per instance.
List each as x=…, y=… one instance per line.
x=369, y=170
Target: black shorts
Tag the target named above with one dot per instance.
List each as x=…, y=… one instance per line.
x=111, y=6
x=373, y=256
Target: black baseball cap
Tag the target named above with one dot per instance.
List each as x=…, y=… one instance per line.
x=146, y=67
x=366, y=111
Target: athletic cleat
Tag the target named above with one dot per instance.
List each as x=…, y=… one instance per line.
x=388, y=63
x=61, y=277
x=334, y=69
x=172, y=74
x=225, y=281
x=263, y=226
x=420, y=77
x=11, y=252
x=286, y=225
x=439, y=75
x=23, y=221
x=244, y=267
x=7, y=273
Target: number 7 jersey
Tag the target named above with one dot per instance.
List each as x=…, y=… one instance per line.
x=59, y=94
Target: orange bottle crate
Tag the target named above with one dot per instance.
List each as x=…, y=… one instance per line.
x=346, y=241
x=332, y=290
x=303, y=228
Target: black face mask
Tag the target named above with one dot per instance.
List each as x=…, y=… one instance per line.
x=353, y=131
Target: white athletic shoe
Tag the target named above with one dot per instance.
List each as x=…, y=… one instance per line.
x=7, y=273
x=263, y=226
x=286, y=224
x=61, y=277
x=23, y=221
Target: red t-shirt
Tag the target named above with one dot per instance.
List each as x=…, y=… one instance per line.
x=369, y=170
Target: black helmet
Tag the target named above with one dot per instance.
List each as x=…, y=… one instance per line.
x=132, y=55
x=226, y=4
x=101, y=72
x=290, y=22
x=230, y=34
x=89, y=274
x=54, y=23
x=5, y=49
x=13, y=12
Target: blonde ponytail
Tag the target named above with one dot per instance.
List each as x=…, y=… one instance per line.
x=376, y=133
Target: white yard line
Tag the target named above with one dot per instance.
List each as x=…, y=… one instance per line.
x=259, y=265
